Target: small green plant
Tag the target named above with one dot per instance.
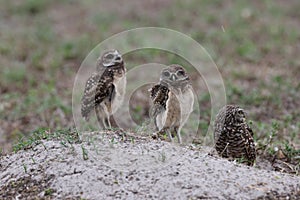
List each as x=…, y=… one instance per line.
x=113, y=141
x=162, y=156
x=24, y=167
x=243, y=160
x=267, y=146
x=290, y=151
x=63, y=143
x=33, y=160
x=132, y=140
x=84, y=153
x=49, y=191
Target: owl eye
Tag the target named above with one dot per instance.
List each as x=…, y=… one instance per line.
x=109, y=56
x=180, y=73
x=240, y=112
x=167, y=74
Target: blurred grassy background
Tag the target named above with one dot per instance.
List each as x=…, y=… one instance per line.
x=256, y=46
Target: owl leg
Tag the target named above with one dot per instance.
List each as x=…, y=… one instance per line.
x=100, y=118
x=177, y=131
x=106, y=119
x=156, y=126
x=107, y=122
x=169, y=134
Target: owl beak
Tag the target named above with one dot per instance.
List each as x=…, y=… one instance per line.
x=173, y=77
x=118, y=58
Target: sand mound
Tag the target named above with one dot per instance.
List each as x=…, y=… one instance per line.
x=114, y=165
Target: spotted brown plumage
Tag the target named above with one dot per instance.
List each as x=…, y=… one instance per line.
x=233, y=137
x=172, y=100
x=105, y=89
x=159, y=97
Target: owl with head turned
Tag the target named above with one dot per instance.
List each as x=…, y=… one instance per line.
x=233, y=136
x=172, y=100
x=105, y=89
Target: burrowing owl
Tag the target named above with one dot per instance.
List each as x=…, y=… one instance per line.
x=173, y=101
x=105, y=89
x=233, y=137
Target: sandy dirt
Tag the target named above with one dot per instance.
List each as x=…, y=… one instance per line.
x=120, y=166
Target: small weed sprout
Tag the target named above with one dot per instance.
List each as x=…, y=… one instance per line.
x=49, y=191
x=132, y=140
x=274, y=131
x=162, y=156
x=33, y=160
x=84, y=153
x=25, y=168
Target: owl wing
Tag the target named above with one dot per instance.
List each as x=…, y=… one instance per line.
x=159, y=96
x=249, y=129
x=98, y=87
x=221, y=143
x=249, y=145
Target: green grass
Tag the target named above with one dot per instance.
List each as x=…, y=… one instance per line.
x=66, y=136
x=273, y=142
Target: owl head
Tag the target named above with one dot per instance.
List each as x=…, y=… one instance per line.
x=111, y=58
x=235, y=115
x=174, y=75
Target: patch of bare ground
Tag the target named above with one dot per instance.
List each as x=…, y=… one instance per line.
x=121, y=165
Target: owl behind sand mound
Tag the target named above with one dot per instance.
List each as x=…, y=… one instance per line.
x=233, y=137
